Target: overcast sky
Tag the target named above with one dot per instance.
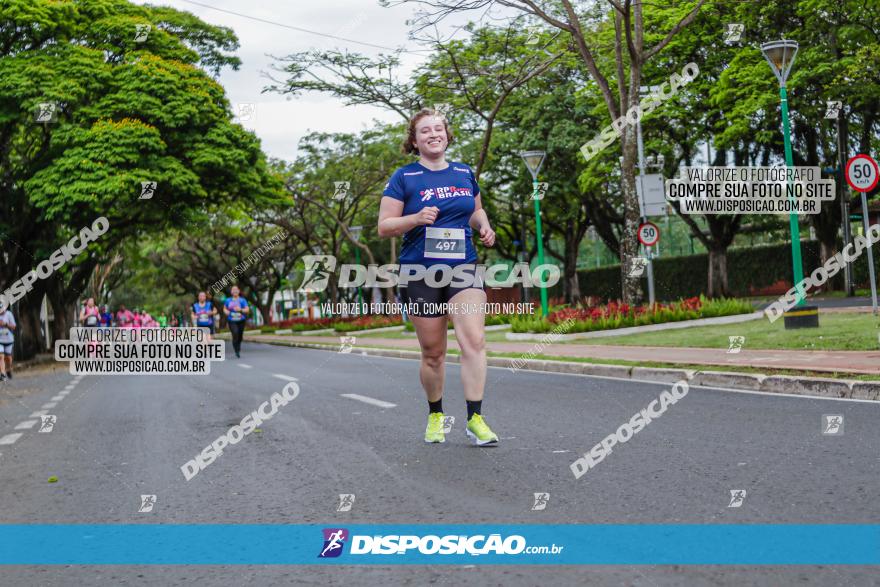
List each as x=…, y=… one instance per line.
x=278, y=121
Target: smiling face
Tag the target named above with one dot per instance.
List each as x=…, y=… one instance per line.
x=430, y=137
x=202, y=297
x=235, y=291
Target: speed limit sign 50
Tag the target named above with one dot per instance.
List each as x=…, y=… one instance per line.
x=862, y=173
x=649, y=234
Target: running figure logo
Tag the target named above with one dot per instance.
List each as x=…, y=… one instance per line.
x=832, y=109
x=147, y=503
x=48, y=423
x=346, y=500
x=448, y=423
x=341, y=190
x=733, y=33
x=46, y=111
x=735, y=344
x=832, y=424
x=148, y=189
x=636, y=266
x=426, y=194
x=346, y=342
x=540, y=190
x=141, y=31
x=534, y=32
x=317, y=274
x=334, y=540
x=541, y=500
x=246, y=110
x=737, y=496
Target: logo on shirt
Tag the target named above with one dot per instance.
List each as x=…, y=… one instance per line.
x=427, y=194
x=452, y=192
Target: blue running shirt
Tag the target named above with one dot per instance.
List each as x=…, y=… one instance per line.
x=453, y=191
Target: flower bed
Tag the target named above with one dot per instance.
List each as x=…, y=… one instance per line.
x=367, y=322
x=588, y=318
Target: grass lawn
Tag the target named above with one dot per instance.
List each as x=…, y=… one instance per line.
x=836, y=332
x=850, y=332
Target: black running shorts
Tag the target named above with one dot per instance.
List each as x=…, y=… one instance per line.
x=424, y=300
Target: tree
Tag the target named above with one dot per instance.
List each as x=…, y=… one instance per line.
x=630, y=56
x=124, y=111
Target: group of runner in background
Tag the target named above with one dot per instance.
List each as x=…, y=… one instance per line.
x=203, y=313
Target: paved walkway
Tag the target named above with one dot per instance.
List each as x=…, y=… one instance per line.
x=859, y=362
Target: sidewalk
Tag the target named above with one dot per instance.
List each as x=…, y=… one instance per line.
x=856, y=362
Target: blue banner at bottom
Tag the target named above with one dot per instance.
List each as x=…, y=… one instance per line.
x=366, y=544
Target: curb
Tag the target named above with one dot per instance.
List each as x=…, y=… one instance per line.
x=778, y=384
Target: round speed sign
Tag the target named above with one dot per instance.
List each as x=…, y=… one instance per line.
x=649, y=234
x=862, y=173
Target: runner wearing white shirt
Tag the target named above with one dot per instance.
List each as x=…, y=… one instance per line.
x=7, y=337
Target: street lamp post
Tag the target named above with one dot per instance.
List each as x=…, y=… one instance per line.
x=533, y=161
x=356, y=233
x=780, y=55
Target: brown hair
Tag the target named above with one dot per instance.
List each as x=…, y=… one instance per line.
x=407, y=146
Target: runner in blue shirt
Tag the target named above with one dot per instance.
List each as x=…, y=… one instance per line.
x=203, y=312
x=236, y=309
x=437, y=206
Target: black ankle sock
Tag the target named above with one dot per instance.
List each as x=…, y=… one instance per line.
x=436, y=406
x=473, y=407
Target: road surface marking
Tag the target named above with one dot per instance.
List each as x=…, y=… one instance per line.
x=48, y=405
x=69, y=387
x=10, y=438
x=284, y=377
x=26, y=425
x=57, y=398
x=369, y=400
x=38, y=414
x=559, y=451
x=244, y=366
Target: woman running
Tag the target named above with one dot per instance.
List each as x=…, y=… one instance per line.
x=203, y=312
x=236, y=309
x=436, y=204
x=90, y=315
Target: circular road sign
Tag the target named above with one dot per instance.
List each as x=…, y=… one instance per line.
x=649, y=234
x=862, y=173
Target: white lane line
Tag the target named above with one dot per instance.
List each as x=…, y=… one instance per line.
x=10, y=438
x=48, y=405
x=63, y=393
x=38, y=414
x=244, y=365
x=284, y=377
x=69, y=386
x=369, y=400
x=57, y=398
x=559, y=451
x=26, y=425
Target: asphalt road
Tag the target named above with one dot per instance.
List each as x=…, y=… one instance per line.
x=118, y=437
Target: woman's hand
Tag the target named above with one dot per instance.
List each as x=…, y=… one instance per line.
x=487, y=236
x=427, y=215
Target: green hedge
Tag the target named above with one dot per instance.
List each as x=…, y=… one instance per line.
x=687, y=276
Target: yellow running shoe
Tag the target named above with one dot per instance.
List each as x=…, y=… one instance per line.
x=478, y=431
x=434, y=431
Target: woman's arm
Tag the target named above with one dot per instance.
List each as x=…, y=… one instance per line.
x=391, y=223
x=479, y=221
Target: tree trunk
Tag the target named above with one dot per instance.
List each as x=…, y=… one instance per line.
x=571, y=287
x=28, y=331
x=717, y=286
x=629, y=243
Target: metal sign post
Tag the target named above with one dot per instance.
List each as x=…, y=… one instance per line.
x=862, y=174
